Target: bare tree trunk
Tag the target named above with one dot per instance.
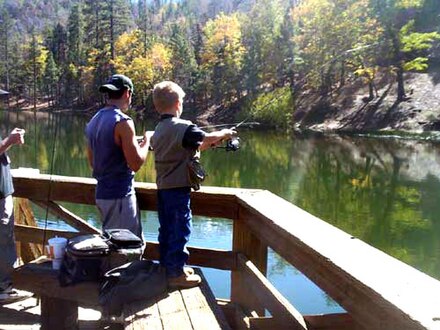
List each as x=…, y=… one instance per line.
x=398, y=58
x=34, y=68
x=371, y=89
x=112, y=35
x=7, y=62
x=96, y=26
x=401, y=96
x=342, y=78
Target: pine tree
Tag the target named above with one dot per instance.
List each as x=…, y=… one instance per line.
x=184, y=63
x=76, y=58
x=105, y=22
x=35, y=65
x=57, y=43
x=144, y=22
x=5, y=49
x=51, y=79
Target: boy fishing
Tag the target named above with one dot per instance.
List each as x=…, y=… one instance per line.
x=177, y=144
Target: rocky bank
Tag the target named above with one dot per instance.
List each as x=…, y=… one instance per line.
x=350, y=110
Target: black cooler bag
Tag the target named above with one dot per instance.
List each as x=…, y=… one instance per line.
x=124, y=247
x=86, y=259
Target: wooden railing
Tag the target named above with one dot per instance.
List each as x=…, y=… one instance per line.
x=376, y=290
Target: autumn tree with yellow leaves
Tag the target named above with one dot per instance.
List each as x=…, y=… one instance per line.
x=222, y=57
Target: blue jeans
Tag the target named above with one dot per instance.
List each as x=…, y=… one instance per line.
x=175, y=221
x=7, y=242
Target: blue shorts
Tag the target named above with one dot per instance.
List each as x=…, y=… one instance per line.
x=121, y=213
x=8, y=253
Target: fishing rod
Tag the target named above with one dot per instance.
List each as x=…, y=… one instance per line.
x=251, y=123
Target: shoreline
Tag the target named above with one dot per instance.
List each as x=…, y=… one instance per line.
x=345, y=113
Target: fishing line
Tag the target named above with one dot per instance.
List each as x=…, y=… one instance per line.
x=35, y=139
x=52, y=163
x=251, y=123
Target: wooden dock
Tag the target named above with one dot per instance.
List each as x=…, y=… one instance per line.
x=377, y=291
x=194, y=308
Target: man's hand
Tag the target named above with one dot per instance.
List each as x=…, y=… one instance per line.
x=146, y=139
x=16, y=136
x=135, y=151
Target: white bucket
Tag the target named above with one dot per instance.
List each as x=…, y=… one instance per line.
x=57, y=248
x=56, y=263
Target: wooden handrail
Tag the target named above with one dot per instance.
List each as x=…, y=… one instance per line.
x=214, y=258
x=378, y=291
x=209, y=201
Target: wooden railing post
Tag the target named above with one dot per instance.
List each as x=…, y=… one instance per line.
x=58, y=314
x=245, y=242
x=24, y=215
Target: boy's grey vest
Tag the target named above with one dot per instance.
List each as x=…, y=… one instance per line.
x=171, y=159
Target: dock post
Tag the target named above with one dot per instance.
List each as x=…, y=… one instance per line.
x=245, y=242
x=58, y=314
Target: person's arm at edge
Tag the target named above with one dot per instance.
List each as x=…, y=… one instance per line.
x=135, y=153
x=5, y=144
x=13, y=138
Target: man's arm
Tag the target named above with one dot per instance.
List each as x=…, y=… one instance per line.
x=135, y=153
x=15, y=137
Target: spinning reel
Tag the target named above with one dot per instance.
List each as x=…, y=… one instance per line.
x=233, y=144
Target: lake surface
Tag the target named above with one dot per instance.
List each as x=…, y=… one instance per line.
x=384, y=190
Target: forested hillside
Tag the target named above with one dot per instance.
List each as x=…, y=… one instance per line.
x=262, y=56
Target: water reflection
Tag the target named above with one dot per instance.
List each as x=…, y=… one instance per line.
x=383, y=191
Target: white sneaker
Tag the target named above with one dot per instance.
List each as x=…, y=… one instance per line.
x=112, y=318
x=11, y=295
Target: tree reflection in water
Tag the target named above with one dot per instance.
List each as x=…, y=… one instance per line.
x=382, y=190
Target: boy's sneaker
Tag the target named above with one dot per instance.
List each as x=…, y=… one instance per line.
x=184, y=281
x=11, y=295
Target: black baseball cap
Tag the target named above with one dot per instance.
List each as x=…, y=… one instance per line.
x=116, y=83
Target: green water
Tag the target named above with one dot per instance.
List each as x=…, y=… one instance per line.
x=384, y=190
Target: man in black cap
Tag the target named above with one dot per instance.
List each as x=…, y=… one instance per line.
x=115, y=155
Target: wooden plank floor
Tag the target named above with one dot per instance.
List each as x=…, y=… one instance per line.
x=189, y=309
x=25, y=315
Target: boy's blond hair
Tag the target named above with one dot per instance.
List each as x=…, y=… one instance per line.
x=166, y=94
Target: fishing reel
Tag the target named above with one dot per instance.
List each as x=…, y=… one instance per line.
x=233, y=144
